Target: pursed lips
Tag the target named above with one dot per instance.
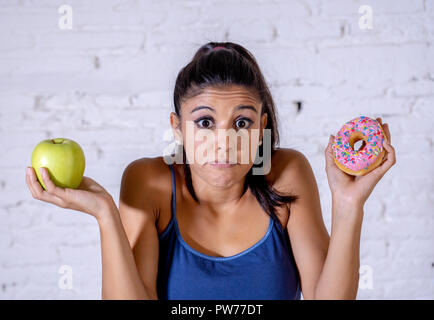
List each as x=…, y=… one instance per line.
x=222, y=164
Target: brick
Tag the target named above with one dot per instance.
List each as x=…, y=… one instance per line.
x=302, y=29
x=342, y=7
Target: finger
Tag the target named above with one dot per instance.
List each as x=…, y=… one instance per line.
x=384, y=158
x=35, y=185
x=328, y=151
x=38, y=193
x=380, y=120
x=41, y=194
x=329, y=144
x=36, y=188
x=29, y=182
x=50, y=186
x=388, y=163
x=386, y=131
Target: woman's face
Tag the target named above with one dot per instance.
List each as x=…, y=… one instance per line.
x=220, y=125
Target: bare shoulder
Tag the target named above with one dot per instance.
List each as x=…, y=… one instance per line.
x=154, y=167
x=146, y=180
x=288, y=166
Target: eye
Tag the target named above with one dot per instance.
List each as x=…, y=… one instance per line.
x=204, y=122
x=207, y=122
x=244, y=123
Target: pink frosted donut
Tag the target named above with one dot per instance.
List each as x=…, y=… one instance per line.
x=370, y=154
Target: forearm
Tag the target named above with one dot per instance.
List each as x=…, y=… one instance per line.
x=339, y=277
x=120, y=277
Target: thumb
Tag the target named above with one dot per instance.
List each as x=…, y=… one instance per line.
x=329, y=152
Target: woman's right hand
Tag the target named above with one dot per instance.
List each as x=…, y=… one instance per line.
x=89, y=197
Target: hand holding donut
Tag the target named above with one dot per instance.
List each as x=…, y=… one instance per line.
x=355, y=189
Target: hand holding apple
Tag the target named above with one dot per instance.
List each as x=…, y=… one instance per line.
x=63, y=158
x=89, y=197
x=56, y=167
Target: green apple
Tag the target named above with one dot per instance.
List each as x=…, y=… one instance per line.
x=64, y=160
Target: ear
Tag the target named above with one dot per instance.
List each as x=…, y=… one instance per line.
x=174, y=121
x=264, y=119
x=176, y=125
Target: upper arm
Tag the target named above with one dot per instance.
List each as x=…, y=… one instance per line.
x=138, y=212
x=306, y=229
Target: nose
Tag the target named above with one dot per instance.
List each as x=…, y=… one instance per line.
x=226, y=149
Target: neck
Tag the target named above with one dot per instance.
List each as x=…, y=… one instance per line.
x=219, y=201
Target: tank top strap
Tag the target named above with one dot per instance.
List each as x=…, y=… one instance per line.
x=278, y=225
x=173, y=199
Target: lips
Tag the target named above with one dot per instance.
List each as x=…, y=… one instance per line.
x=222, y=164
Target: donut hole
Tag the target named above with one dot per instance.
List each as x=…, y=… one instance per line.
x=359, y=145
x=357, y=141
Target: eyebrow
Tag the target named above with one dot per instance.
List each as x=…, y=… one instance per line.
x=213, y=110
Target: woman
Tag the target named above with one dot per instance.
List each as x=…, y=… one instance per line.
x=198, y=230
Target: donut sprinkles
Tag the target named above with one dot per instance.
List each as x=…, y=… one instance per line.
x=359, y=162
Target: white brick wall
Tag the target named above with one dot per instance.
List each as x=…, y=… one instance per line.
x=108, y=84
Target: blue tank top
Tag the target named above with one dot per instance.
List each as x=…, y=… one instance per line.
x=265, y=271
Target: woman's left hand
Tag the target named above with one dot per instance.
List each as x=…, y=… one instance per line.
x=355, y=190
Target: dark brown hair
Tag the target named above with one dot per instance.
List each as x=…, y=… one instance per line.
x=234, y=65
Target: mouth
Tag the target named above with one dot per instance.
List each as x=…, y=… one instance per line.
x=222, y=164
